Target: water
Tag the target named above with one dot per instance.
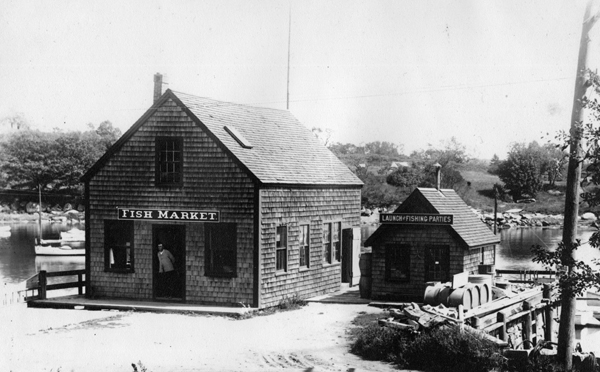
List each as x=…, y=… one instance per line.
x=18, y=261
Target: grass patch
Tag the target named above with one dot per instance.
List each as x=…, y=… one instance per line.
x=287, y=303
x=478, y=193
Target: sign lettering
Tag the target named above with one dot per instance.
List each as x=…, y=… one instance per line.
x=416, y=218
x=168, y=214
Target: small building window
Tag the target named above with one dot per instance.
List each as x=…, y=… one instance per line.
x=336, y=241
x=332, y=248
x=169, y=161
x=437, y=263
x=118, y=245
x=304, y=240
x=281, y=247
x=327, y=242
x=397, y=262
x=220, y=258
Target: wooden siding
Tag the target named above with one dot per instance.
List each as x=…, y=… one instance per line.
x=419, y=238
x=472, y=258
x=211, y=181
x=295, y=207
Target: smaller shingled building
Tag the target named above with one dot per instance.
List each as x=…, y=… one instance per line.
x=432, y=236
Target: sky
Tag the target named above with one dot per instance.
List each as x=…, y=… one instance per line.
x=414, y=73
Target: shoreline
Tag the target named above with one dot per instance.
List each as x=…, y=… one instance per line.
x=514, y=219
x=68, y=217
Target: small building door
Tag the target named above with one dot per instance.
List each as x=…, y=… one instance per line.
x=350, y=256
x=168, y=284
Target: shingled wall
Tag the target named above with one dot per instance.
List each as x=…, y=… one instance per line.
x=292, y=208
x=211, y=181
x=419, y=237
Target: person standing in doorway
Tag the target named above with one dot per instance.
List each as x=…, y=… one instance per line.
x=166, y=272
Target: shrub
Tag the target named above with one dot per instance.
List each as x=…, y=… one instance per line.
x=380, y=343
x=443, y=349
x=453, y=349
x=291, y=302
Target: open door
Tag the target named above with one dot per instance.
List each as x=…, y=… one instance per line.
x=168, y=281
x=350, y=256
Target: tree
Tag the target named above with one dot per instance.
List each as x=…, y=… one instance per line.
x=56, y=160
x=323, y=135
x=108, y=133
x=553, y=164
x=521, y=172
x=382, y=148
x=405, y=177
x=494, y=165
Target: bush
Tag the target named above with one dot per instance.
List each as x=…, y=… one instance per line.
x=443, y=349
x=453, y=349
x=380, y=343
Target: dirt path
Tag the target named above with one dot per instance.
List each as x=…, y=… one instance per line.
x=72, y=340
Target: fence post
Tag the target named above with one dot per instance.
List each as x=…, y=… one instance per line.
x=548, y=312
x=80, y=286
x=527, y=341
x=502, y=319
x=42, y=285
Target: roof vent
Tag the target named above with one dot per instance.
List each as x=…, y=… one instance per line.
x=238, y=137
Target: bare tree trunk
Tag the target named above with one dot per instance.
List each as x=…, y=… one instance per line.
x=566, y=331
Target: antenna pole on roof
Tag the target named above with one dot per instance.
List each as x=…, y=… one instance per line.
x=287, y=102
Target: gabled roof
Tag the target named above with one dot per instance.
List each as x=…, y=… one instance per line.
x=274, y=146
x=471, y=230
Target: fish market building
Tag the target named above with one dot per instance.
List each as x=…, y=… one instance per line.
x=253, y=208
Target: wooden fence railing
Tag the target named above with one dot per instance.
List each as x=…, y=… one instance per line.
x=39, y=283
x=531, y=309
x=527, y=276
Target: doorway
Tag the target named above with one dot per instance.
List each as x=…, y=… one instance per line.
x=168, y=284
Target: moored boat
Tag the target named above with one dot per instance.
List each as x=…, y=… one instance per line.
x=71, y=243
x=59, y=248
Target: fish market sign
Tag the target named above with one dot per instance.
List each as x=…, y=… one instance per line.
x=168, y=215
x=416, y=218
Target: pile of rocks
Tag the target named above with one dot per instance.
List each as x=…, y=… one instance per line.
x=520, y=218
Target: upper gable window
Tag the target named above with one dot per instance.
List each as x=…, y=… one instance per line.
x=169, y=161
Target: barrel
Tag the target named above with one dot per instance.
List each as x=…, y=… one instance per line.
x=431, y=295
x=365, y=282
x=485, y=286
x=443, y=294
x=460, y=296
x=364, y=263
x=475, y=295
x=485, y=293
x=364, y=286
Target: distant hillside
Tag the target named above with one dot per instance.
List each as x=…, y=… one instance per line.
x=479, y=195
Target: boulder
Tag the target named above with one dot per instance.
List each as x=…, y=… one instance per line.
x=589, y=216
x=514, y=210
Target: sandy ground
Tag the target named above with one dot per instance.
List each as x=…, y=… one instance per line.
x=314, y=338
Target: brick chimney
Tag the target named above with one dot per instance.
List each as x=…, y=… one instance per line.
x=158, y=82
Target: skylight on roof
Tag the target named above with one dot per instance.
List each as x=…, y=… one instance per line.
x=238, y=137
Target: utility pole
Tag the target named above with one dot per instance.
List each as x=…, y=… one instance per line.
x=287, y=102
x=566, y=330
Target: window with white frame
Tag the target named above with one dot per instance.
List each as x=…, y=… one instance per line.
x=304, y=239
x=336, y=241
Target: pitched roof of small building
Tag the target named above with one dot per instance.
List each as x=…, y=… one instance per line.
x=471, y=230
x=271, y=144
